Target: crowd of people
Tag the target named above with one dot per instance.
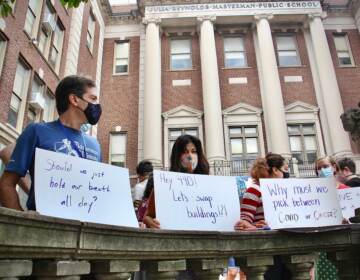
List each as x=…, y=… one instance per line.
x=77, y=105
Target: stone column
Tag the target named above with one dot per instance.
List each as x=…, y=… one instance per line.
x=347, y=263
x=330, y=89
x=163, y=270
x=72, y=54
x=207, y=269
x=300, y=265
x=113, y=269
x=152, y=94
x=60, y=270
x=214, y=135
x=255, y=267
x=271, y=95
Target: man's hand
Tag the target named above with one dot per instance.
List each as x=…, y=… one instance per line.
x=8, y=195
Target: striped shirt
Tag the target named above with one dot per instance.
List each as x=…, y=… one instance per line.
x=252, y=207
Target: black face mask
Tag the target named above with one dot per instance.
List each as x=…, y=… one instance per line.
x=286, y=174
x=93, y=113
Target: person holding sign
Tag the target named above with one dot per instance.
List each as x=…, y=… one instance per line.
x=326, y=167
x=187, y=156
x=76, y=104
x=252, y=213
x=346, y=173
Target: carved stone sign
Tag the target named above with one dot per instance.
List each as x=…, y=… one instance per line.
x=301, y=7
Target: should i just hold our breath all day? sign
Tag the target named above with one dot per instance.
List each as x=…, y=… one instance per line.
x=75, y=188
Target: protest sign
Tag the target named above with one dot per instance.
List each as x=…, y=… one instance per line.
x=349, y=200
x=242, y=183
x=294, y=203
x=196, y=202
x=75, y=188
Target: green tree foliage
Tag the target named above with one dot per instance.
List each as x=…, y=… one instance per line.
x=6, y=5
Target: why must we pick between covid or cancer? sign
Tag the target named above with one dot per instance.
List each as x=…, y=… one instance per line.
x=296, y=203
x=196, y=202
x=80, y=189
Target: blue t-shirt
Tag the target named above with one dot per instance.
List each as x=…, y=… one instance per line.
x=51, y=136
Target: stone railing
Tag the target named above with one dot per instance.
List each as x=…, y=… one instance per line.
x=39, y=247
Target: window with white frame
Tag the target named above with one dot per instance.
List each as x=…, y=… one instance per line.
x=31, y=115
x=46, y=29
x=244, y=142
x=3, y=43
x=174, y=133
x=90, y=32
x=2, y=164
x=33, y=12
x=234, y=52
x=287, y=51
x=56, y=47
x=180, y=54
x=48, y=113
x=18, y=97
x=343, y=50
x=118, y=149
x=303, y=143
x=121, y=62
x=36, y=102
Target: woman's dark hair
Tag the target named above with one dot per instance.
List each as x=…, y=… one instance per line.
x=70, y=85
x=144, y=168
x=179, y=148
x=149, y=186
x=274, y=160
x=262, y=167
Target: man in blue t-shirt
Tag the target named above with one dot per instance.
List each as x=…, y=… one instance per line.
x=77, y=104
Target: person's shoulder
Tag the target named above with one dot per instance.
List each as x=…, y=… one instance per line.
x=40, y=126
x=354, y=182
x=92, y=141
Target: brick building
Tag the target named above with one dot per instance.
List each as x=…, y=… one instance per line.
x=246, y=77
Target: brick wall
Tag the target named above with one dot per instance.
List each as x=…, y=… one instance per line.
x=119, y=100
x=88, y=59
x=181, y=95
x=19, y=43
x=348, y=77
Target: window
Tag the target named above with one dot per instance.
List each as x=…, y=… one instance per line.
x=3, y=43
x=46, y=29
x=31, y=115
x=234, y=52
x=90, y=32
x=56, y=48
x=118, y=149
x=32, y=14
x=36, y=100
x=287, y=50
x=181, y=54
x=303, y=144
x=121, y=64
x=343, y=50
x=175, y=133
x=18, y=96
x=244, y=142
x=2, y=164
x=49, y=109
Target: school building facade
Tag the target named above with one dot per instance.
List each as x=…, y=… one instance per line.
x=246, y=77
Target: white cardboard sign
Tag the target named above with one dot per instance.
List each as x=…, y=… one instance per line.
x=196, y=202
x=295, y=203
x=75, y=188
x=349, y=200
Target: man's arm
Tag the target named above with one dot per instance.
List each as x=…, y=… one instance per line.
x=5, y=155
x=8, y=195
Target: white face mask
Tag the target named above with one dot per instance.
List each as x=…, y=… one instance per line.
x=192, y=160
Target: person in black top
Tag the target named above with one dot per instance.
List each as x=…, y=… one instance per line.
x=346, y=174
